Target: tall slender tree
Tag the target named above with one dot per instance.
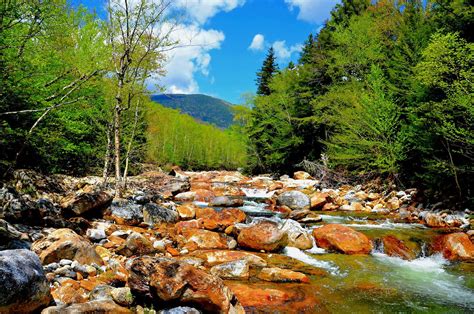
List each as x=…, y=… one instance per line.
x=266, y=73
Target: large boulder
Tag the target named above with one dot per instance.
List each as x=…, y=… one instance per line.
x=65, y=244
x=212, y=219
x=154, y=214
x=342, y=239
x=206, y=240
x=168, y=279
x=125, y=212
x=455, y=246
x=262, y=235
x=80, y=203
x=294, y=199
x=23, y=285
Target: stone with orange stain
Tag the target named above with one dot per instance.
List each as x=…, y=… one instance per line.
x=211, y=219
x=188, y=224
x=172, y=250
x=204, y=239
x=169, y=279
x=329, y=207
x=342, y=239
x=215, y=257
x=277, y=274
x=187, y=211
x=70, y=292
x=262, y=235
x=455, y=246
x=318, y=200
x=394, y=247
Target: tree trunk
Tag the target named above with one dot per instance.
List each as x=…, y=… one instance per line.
x=118, y=182
x=129, y=147
x=105, y=173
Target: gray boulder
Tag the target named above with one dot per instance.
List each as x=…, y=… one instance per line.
x=23, y=285
x=153, y=214
x=295, y=200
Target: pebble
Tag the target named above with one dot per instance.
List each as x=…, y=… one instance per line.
x=65, y=262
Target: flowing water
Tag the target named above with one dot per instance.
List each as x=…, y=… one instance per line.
x=374, y=283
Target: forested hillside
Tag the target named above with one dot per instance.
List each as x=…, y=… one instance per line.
x=205, y=108
x=178, y=139
x=384, y=89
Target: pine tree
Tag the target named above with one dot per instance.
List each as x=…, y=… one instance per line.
x=264, y=76
x=307, y=52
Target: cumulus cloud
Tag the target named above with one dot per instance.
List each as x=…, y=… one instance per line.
x=190, y=57
x=202, y=10
x=282, y=51
x=258, y=43
x=313, y=11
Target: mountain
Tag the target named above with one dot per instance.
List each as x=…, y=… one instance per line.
x=202, y=107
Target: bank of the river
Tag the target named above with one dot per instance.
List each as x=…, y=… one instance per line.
x=222, y=242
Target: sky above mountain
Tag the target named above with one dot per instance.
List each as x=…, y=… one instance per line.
x=223, y=42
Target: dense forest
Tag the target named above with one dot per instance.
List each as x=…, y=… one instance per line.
x=202, y=107
x=384, y=89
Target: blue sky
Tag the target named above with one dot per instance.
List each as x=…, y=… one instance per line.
x=229, y=40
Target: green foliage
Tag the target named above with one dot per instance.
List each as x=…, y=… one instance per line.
x=175, y=138
x=369, y=137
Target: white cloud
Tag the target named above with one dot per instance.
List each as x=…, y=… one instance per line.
x=258, y=43
x=314, y=11
x=190, y=57
x=282, y=51
x=202, y=10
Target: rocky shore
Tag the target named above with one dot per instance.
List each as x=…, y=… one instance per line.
x=198, y=242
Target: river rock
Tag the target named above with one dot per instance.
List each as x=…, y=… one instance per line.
x=318, y=200
x=301, y=175
x=122, y=296
x=154, y=214
x=125, y=212
x=262, y=235
x=186, y=211
x=218, y=257
x=180, y=310
x=101, y=306
x=219, y=220
x=80, y=203
x=172, y=280
x=226, y=201
x=207, y=240
x=65, y=244
x=294, y=200
x=342, y=239
x=297, y=236
x=11, y=238
x=24, y=287
x=276, y=274
x=136, y=244
x=394, y=247
x=232, y=270
x=455, y=246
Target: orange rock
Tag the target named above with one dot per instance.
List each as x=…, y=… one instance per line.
x=188, y=224
x=187, y=211
x=455, y=246
x=301, y=175
x=394, y=247
x=70, y=292
x=204, y=239
x=97, y=306
x=90, y=283
x=211, y=219
x=329, y=207
x=202, y=195
x=318, y=200
x=276, y=274
x=65, y=244
x=263, y=235
x=169, y=279
x=342, y=239
x=218, y=257
x=172, y=251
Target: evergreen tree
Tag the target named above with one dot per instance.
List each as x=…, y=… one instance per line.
x=308, y=50
x=265, y=75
